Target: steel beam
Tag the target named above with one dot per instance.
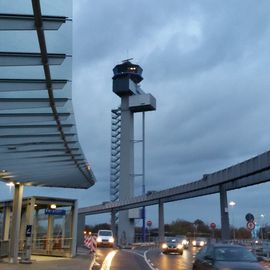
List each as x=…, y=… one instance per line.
x=29, y=59
x=27, y=22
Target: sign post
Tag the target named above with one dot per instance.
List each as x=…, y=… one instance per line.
x=213, y=226
x=149, y=224
x=26, y=258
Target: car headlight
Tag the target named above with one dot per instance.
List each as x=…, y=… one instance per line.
x=99, y=240
x=184, y=242
x=201, y=243
x=179, y=246
x=194, y=243
x=111, y=240
x=164, y=246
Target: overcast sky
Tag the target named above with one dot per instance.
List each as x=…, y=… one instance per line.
x=208, y=65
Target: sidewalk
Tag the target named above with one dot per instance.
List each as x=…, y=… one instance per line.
x=81, y=261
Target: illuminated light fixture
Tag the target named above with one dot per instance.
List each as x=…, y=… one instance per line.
x=99, y=240
x=35, y=205
x=11, y=184
x=111, y=240
x=164, y=246
x=232, y=203
x=53, y=206
x=202, y=243
x=179, y=246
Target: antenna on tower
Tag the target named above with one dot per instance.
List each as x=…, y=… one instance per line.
x=127, y=60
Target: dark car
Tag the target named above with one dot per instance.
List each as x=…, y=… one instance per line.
x=225, y=256
x=172, y=245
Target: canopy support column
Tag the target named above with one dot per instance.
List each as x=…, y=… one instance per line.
x=16, y=221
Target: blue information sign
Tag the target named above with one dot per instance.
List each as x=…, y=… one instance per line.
x=55, y=212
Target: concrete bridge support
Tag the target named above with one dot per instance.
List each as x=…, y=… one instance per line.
x=225, y=224
x=113, y=213
x=161, y=221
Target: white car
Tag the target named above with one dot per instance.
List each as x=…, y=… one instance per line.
x=105, y=238
x=199, y=242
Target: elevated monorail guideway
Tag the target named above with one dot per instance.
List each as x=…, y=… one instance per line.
x=250, y=172
x=38, y=138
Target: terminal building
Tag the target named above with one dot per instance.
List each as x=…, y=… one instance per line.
x=53, y=226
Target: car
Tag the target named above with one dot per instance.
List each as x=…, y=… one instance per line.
x=172, y=245
x=199, y=242
x=105, y=238
x=183, y=240
x=220, y=256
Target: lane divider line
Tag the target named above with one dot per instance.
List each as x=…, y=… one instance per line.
x=108, y=260
x=145, y=258
x=148, y=261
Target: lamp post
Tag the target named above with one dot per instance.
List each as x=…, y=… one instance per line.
x=232, y=204
x=262, y=217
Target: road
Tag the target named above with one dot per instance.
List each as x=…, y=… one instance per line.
x=142, y=258
x=145, y=259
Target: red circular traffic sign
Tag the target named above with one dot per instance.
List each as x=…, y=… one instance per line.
x=149, y=223
x=213, y=225
x=251, y=225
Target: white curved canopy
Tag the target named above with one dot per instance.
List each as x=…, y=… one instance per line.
x=38, y=141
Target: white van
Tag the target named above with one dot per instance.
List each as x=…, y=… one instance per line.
x=105, y=238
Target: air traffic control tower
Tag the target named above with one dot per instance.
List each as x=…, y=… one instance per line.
x=126, y=79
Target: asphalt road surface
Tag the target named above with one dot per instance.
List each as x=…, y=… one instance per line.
x=145, y=259
x=142, y=259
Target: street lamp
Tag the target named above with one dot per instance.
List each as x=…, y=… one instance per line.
x=232, y=204
x=262, y=217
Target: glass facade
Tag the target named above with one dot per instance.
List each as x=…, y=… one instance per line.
x=52, y=228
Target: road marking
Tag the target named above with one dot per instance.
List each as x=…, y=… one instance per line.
x=108, y=260
x=148, y=261
x=145, y=258
x=93, y=260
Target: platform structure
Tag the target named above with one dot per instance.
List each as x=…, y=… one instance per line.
x=38, y=139
x=126, y=80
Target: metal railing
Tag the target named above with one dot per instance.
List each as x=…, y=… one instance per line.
x=4, y=248
x=49, y=246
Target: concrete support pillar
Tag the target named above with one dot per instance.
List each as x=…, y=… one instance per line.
x=28, y=220
x=80, y=230
x=113, y=213
x=74, y=228
x=225, y=224
x=126, y=183
x=16, y=221
x=22, y=229
x=6, y=223
x=35, y=228
x=50, y=234
x=161, y=221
